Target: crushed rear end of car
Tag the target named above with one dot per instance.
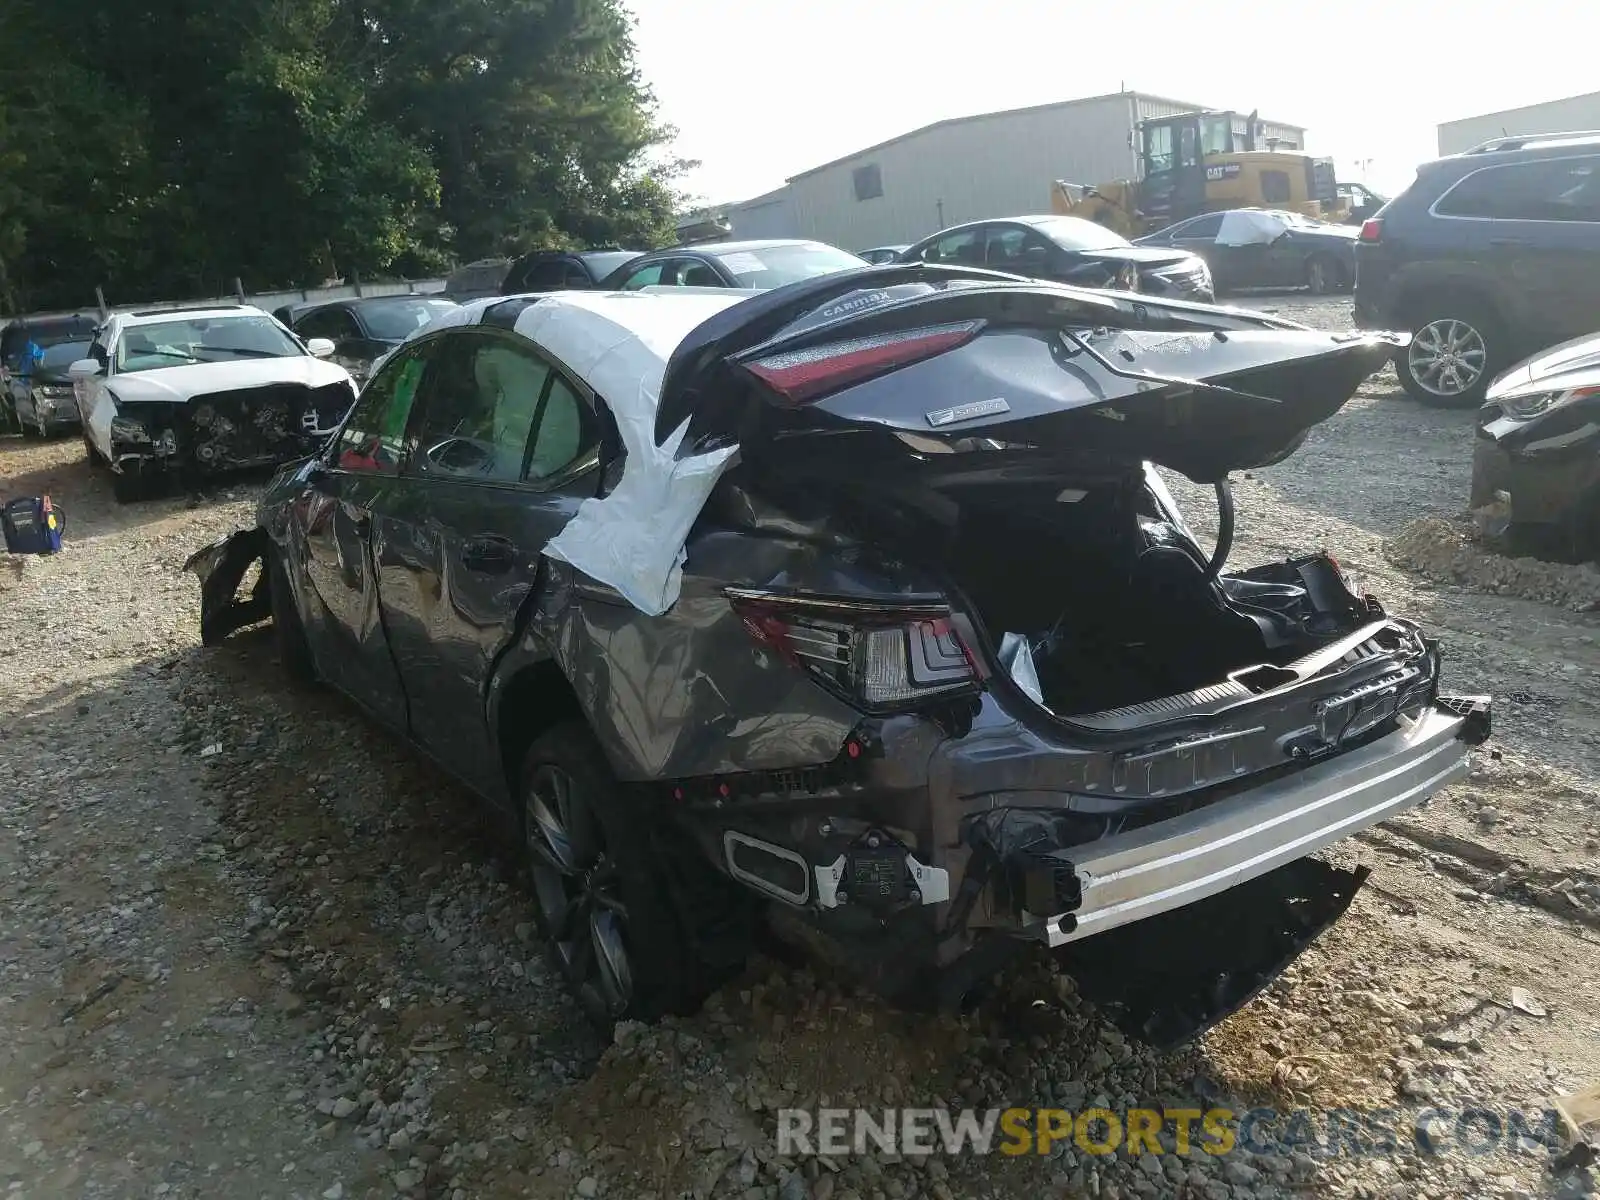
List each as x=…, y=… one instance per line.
x=1073, y=726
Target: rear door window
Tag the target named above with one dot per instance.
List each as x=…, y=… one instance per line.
x=1201, y=229
x=1013, y=248
x=335, y=324
x=1556, y=189
x=965, y=247
x=646, y=276
x=496, y=412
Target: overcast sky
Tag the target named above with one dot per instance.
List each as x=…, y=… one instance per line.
x=763, y=89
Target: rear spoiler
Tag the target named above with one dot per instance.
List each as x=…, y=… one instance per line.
x=696, y=370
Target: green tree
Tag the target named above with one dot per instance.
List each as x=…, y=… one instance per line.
x=161, y=148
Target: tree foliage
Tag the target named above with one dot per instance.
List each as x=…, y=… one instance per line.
x=164, y=147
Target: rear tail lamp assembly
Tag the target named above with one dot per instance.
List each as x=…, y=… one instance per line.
x=880, y=658
x=806, y=375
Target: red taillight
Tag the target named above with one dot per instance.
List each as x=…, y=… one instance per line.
x=881, y=658
x=1372, y=229
x=802, y=376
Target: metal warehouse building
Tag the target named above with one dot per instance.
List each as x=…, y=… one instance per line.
x=1553, y=116
x=965, y=169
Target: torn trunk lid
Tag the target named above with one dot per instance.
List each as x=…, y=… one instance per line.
x=1202, y=390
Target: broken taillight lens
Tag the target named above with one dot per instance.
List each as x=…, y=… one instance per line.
x=1372, y=229
x=880, y=658
x=803, y=376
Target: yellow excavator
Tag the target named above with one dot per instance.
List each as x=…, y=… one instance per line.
x=1203, y=162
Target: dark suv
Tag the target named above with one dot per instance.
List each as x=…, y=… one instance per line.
x=1487, y=257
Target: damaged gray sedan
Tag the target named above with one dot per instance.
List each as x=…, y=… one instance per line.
x=861, y=608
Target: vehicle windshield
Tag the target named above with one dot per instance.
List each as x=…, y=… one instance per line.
x=602, y=263
x=394, y=320
x=63, y=355
x=201, y=340
x=1074, y=233
x=774, y=266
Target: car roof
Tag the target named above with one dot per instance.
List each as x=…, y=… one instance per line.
x=616, y=342
x=301, y=310
x=735, y=247
x=132, y=320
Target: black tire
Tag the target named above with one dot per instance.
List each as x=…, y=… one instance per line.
x=287, y=629
x=1324, y=276
x=635, y=921
x=1479, y=342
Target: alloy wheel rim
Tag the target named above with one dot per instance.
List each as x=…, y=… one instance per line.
x=577, y=888
x=1447, y=356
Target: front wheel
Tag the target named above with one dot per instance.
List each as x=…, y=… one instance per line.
x=630, y=940
x=1456, y=349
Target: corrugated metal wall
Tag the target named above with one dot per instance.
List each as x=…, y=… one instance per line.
x=966, y=171
x=768, y=216
x=1557, y=116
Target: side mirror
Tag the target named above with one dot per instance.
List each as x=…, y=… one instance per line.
x=319, y=348
x=84, y=368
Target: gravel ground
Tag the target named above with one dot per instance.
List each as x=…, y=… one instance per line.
x=248, y=946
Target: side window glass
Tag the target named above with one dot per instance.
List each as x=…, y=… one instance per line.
x=644, y=277
x=1202, y=228
x=480, y=412
x=1188, y=146
x=373, y=439
x=577, y=277
x=546, y=275
x=1005, y=247
x=1158, y=149
x=1558, y=189
x=965, y=248
x=566, y=430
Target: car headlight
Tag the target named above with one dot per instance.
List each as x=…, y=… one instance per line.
x=126, y=429
x=1534, y=404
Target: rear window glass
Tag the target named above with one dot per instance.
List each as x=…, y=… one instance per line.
x=400, y=318
x=774, y=266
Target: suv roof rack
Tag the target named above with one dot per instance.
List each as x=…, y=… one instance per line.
x=1524, y=140
x=183, y=308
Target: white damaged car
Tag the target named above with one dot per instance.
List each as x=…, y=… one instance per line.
x=198, y=391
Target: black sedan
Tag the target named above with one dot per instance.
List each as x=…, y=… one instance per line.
x=753, y=266
x=1067, y=250
x=1255, y=247
x=563, y=270
x=364, y=330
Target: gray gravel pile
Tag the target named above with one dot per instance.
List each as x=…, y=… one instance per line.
x=1451, y=552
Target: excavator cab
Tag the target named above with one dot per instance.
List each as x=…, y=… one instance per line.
x=1205, y=161
x=1181, y=155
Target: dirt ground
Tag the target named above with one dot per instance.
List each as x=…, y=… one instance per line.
x=248, y=946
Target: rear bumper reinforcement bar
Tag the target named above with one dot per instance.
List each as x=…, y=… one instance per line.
x=1168, y=864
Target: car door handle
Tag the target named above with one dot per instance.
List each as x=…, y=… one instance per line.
x=489, y=552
